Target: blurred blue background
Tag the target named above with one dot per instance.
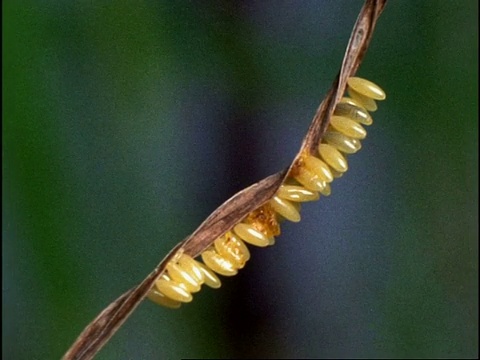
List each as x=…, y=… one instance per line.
x=127, y=123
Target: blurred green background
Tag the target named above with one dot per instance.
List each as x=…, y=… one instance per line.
x=126, y=123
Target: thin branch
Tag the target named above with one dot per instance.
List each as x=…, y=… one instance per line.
x=102, y=328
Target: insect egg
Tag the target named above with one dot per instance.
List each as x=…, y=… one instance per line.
x=333, y=157
x=210, y=278
x=264, y=219
x=319, y=168
x=309, y=179
x=181, y=276
x=327, y=190
x=337, y=174
x=342, y=142
x=251, y=235
x=297, y=193
x=366, y=102
x=354, y=111
x=348, y=127
x=157, y=297
x=233, y=249
x=192, y=267
x=350, y=101
x=173, y=290
x=366, y=88
x=218, y=263
x=285, y=208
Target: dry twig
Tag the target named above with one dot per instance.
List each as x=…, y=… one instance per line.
x=102, y=328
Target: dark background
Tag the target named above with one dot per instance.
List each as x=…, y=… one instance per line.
x=127, y=123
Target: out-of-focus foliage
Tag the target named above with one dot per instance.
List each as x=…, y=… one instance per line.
x=126, y=124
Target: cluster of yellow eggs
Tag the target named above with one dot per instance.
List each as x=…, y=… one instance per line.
x=310, y=178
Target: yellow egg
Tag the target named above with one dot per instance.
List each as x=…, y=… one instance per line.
x=342, y=142
x=297, y=193
x=251, y=235
x=173, y=290
x=218, y=263
x=333, y=157
x=348, y=127
x=160, y=299
x=352, y=111
x=285, y=208
x=366, y=88
x=321, y=169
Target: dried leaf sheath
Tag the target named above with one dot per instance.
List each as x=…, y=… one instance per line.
x=102, y=328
